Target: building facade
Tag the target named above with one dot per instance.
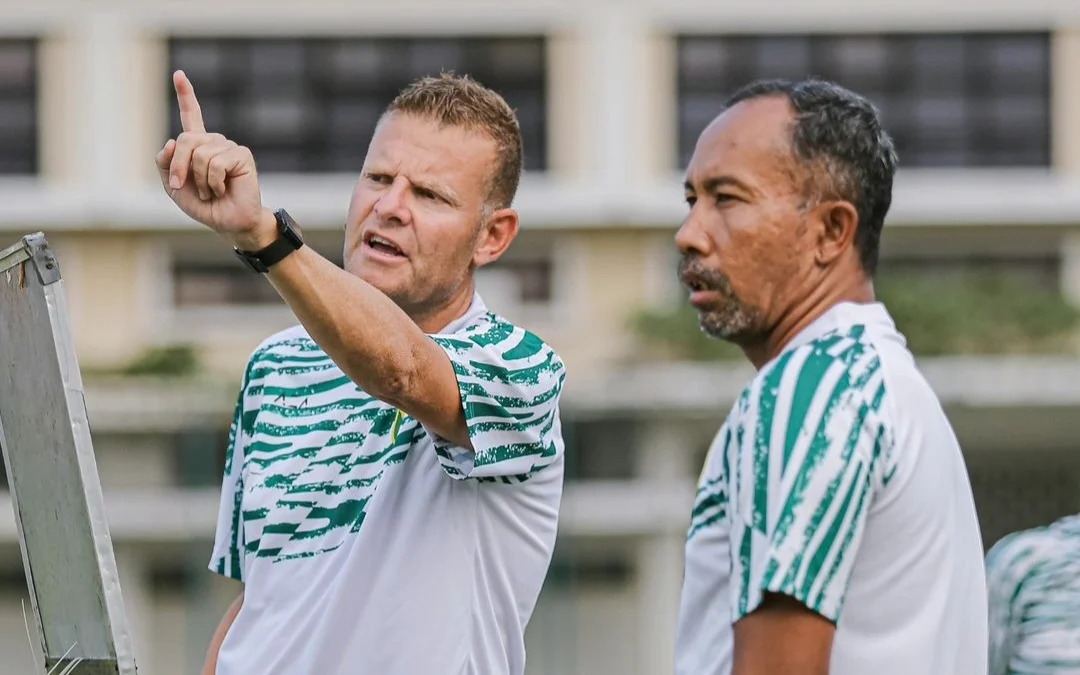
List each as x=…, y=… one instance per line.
x=981, y=98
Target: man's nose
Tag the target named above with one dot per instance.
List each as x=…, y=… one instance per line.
x=691, y=237
x=392, y=204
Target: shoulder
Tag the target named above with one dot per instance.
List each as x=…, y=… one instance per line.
x=1018, y=553
x=501, y=342
x=293, y=341
x=828, y=394
x=290, y=346
x=836, y=368
x=293, y=338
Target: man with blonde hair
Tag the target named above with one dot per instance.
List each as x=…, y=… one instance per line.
x=395, y=467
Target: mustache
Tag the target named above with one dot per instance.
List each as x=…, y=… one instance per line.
x=692, y=271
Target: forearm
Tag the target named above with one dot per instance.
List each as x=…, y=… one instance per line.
x=210, y=667
x=368, y=336
x=374, y=342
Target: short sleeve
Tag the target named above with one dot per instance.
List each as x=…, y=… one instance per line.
x=227, y=557
x=510, y=384
x=809, y=464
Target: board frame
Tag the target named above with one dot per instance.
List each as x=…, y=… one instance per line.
x=67, y=552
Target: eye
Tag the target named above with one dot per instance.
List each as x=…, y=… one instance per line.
x=723, y=199
x=691, y=200
x=380, y=178
x=428, y=193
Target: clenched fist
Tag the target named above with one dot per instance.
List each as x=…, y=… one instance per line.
x=212, y=179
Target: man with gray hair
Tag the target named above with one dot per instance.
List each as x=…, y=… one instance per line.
x=395, y=468
x=834, y=529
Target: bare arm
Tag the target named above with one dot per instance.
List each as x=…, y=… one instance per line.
x=782, y=637
x=352, y=321
x=210, y=667
x=214, y=181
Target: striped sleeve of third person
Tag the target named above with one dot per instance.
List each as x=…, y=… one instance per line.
x=510, y=383
x=813, y=449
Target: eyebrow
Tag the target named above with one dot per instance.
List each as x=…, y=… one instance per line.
x=717, y=182
x=443, y=190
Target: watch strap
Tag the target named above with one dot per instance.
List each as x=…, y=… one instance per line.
x=289, y=240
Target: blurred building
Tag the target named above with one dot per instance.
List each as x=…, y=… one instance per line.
x=982, y=249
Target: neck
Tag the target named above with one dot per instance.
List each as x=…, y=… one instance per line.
x=803, y=313
x=434, y=320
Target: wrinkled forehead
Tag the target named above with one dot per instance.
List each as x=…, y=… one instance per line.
x=423, y=149
x=750, y=141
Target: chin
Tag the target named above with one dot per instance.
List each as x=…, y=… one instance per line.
x=374, y=276
x=722, y=326
x=354, y=265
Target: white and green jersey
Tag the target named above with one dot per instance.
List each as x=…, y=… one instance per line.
x=1034, y=585
x=837, y=480
x=368, y=545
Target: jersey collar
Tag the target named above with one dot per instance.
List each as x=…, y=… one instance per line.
x=843, y=316
x=476, y=309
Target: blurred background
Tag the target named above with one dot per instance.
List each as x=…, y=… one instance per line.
x=981, y=259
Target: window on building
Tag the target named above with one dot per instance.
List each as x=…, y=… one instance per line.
x=199, y=456
x=948, y=99
x=520, y=280
x=311, y=104
x=600, y=449
x=201, y=284
x=180, y=573
x=1029, y=487
x=18, y=106
x=12, y=579
x=212, y=279
x=592, y=569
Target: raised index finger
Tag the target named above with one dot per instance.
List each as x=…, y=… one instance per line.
x=190, y=112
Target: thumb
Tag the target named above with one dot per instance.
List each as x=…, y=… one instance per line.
x=164, y=159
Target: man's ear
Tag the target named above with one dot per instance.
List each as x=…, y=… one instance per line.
x=496, y=235
x=838, y=221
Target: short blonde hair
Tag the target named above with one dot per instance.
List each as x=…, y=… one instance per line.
x=459, y=101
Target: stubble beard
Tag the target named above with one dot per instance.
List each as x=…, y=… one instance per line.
x=730, y=319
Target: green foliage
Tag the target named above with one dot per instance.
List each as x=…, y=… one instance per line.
x=172, y=361
x=977, y=314
x=674, y=333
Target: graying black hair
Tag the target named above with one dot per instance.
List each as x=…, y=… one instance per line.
x=838, y=139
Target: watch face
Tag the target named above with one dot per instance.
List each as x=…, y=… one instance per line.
x=289, y=227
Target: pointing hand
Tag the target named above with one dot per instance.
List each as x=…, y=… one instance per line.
x=212, y=179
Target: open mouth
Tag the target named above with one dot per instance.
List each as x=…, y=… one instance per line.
x=695, y=285
x=384, y=246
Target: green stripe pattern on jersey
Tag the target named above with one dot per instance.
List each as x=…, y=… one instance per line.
x=308, y=448
x=800, y=456
x=508, y=402
x=1033, y=578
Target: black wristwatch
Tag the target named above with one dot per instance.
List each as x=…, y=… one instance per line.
x=290, y=240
